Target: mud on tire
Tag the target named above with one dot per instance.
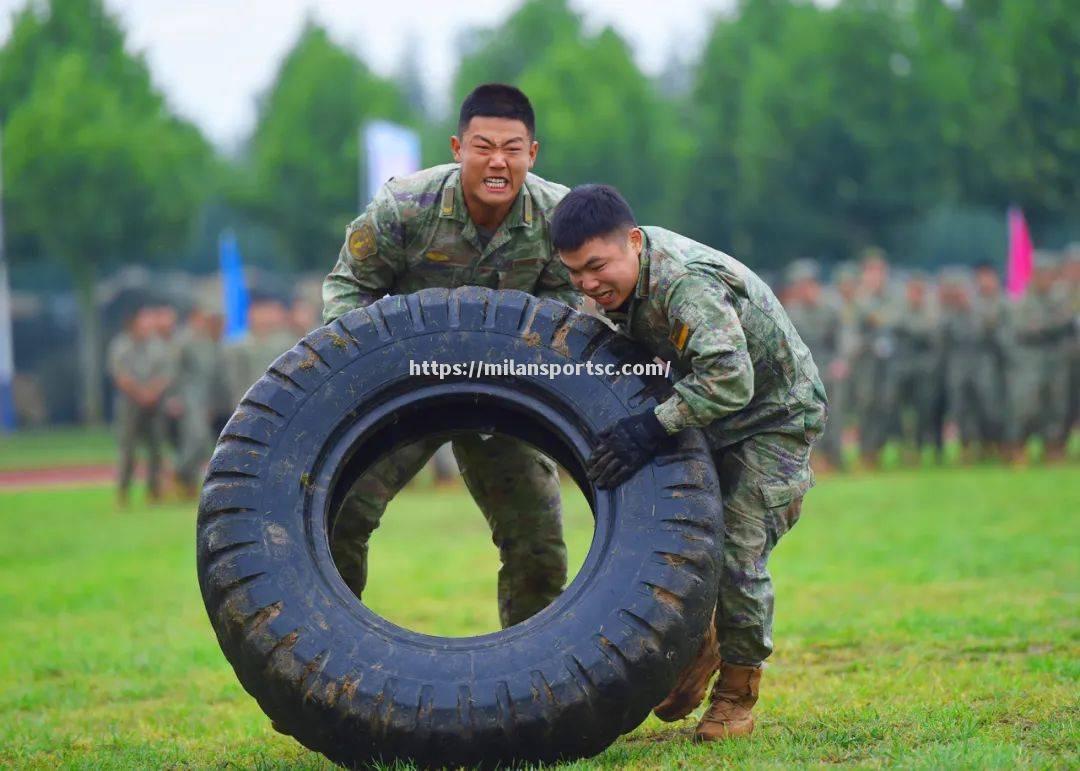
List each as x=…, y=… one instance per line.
x=355, y=687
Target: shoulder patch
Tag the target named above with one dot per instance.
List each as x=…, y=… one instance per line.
x=362, y=242
x=680, y=333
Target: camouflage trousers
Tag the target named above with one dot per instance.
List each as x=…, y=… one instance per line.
x=137, y=425
x=874, y=390
x=976, y=397
x=1038, y=390
x=831, y=442
x=762, y=480
x=516, y=488
x=919, y=395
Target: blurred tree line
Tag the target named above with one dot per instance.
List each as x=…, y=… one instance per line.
x=800, y=130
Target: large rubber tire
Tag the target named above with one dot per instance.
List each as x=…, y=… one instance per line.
x=355, y=687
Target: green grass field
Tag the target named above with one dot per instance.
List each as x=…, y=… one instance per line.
x=924, y=619
x=54, y=447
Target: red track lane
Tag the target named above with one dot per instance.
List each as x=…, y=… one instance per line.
x=67, y=476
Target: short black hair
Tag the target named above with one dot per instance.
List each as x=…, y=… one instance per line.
x=587, y=212
x=497, y=100
x=985, y=265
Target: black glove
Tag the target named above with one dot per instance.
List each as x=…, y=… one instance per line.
x=624, y=448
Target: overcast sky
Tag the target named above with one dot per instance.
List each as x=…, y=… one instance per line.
x=212, y=57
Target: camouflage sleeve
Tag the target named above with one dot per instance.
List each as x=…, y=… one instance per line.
x=554, y=282
x=369, y=259
x=1028, y=322
x=115, y=358
x=171, y=363
x=706, y=330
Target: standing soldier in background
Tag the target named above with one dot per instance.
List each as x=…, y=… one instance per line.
x=269, y=335
x=1042, y=330
x=1071, y=279
x=303, y=317
x=141, y=370
x=992, y=363
x=482, y=221
x=165, y=320
x=967, y=413
x=842, y=399
x=872, y=372
x=917, y=364
x=818, y=322
x=199, y=370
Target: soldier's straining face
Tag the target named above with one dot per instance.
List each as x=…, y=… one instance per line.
x=495, y=155
x=606, y=268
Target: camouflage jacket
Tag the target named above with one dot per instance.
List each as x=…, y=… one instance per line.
x=875, y=319
x=417, y=233
x=247, y=359
x=1042, y=319
x=143, y=361
x=820, y=327
x=919, y=337
x=980, y=329
x=744, y=369
x=199, y=368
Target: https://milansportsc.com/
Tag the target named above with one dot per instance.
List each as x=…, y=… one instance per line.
x=551, y=370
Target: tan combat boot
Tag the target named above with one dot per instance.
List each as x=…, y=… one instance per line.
x=733, y=696
x=693, y=682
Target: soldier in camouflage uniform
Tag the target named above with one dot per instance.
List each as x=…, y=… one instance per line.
x=1042, y=329
x=841, y=387
x=873, y=373
x=991, y=313
x=199, y=369
x=918, y=362
x=969, y=411
x=745, y=378
x=141, y=370
x=1071, y=280
x=481, y=221
x=269, y=335
x=819, y=323
x=165, y=318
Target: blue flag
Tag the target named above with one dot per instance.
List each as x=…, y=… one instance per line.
x=233, y=289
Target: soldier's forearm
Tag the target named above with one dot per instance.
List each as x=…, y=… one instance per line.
x=127, y=386
x=340, y=297
x=701, y=399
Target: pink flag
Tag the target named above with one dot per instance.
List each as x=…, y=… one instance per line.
x=1020, y=254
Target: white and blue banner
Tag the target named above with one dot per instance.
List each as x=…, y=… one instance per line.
x=389, y=150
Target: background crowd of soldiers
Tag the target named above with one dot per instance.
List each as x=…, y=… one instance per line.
x=176, y=384
x=926, y=362
x=916, y=362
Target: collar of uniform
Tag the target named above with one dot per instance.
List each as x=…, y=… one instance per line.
x=452, y=204
x=521, y=213
x=641, y=291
